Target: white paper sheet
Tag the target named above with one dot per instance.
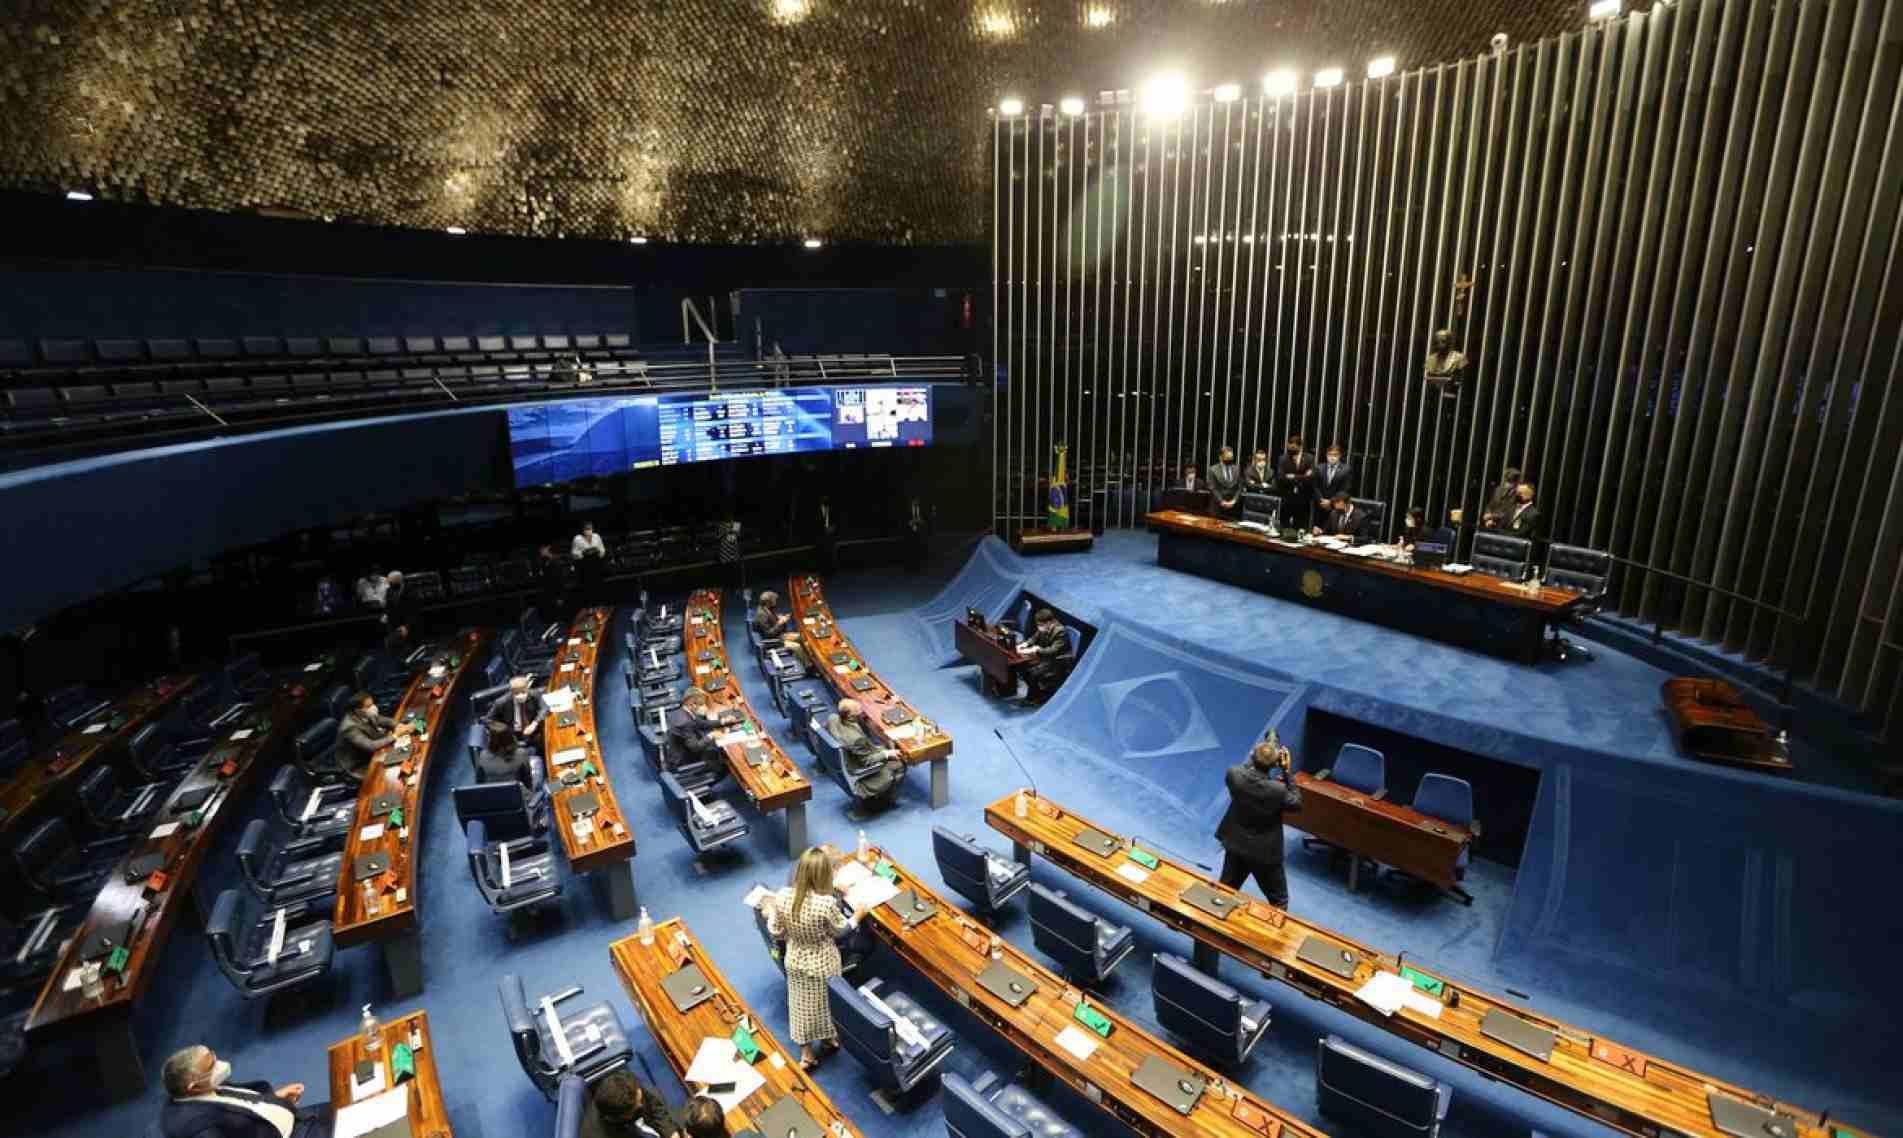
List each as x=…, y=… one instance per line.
x=1132, y=872
x=317, y=667
x=714, y=1062
x=1081, y=1044
x=568, y=667
x=371, y=832
x=373, y=1113
x=242, y=734
x=729, y=738
x=756, y=895
x=1419, y=1001
x=568, y=755
x=850, y=874
x=164, y=831
x=1385, y=992
x=94, y=729
x=874, y=890
x=559, y=701
x=574, y=640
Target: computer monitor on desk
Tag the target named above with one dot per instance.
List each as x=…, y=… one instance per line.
x=1188, y=501
x=1430, y=554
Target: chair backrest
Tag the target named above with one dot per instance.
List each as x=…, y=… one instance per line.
x=224, y=931
x=1445, y=797
x=95, y=792
x=1022, y=616
x=334, y=700
x=244, y=667
x=289, y=788
x=1384, y=1098
x=1361, y=768
x=1076, y=639
x=962, y=865
x=1501, y=555
x=1062, y=929
x=826, y=749
x=969, y=1115
x=147, y=747
x=1577, y=568
x=522, y=1032
x=1199, y=1008
x=571, y=1102
x=1265, y=509
x=315, y=743
x=863, y=1029
x=255, y=849
x=1377, y=510
x=44, y=845
x=500, y=806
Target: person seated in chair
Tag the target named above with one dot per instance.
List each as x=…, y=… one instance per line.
x=622, y=1106
x=767, y=621
x=1348, y=520
x=519, y=710
x=203, y=1102
x=875, y=772
x=690, y=735
x=1414, y=530
x=501, y=759
x=1192, y=480
x=1049, y=649
x=364, y=732
x=702, y=1118
x=792, y=648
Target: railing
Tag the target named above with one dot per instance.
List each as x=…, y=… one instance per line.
x=690, y=316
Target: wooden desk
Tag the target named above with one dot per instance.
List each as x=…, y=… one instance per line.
x=428, y=1117
x=61, y=1012
x=391, y=923
x=1472, y=610
x=1388, y=832
x=59, y=765
x=1606, y=1081
x=606, y=846
x=950, y=949
x=917, y=741
x=642, y=967
x=997, y=665
x=776, y=784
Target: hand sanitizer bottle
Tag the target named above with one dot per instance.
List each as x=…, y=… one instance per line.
x=644, y=928
x=863, y=847
x=1021, y=806
x=372, y=1031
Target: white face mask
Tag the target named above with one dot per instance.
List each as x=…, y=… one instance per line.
x=220, y=1071
x=521, y=697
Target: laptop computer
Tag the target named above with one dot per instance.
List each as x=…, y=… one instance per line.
x=1747, y=1119
x=369, y=865
x=861, y=683
x=583, y=806
x=1177, y=1088
x=1430, y=554
x=895, y=716
x=912, y=908
x=788, y=1119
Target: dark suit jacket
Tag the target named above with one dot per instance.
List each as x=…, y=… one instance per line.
x=502, y=711
x=654, y=1113
x=199, y=1118
x=769, y=623
x=1359, y=524
x=1225, y=482
x=1259, y=483
x=359, y=738
x=1252, y=827
x=1341, y=482
x=874, y=776
x=1527, y=525
x=513, y=767
x=1294, y=477
x=689, y=737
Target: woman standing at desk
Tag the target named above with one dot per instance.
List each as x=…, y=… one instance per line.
x=808, y=916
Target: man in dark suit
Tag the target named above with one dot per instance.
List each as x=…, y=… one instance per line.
x=1260, y=792
x=519, y=711
x=202, y=1102
x=1050, y=650
x=1333, y=476
x=1522, y=519
x=1259, y=476
x=363, y=732
x=690, y=735
x=1345, y=519
x=1294, y=474
x=1192, y=481
x=1225, y=482
x=1500, y=498
x=876, y=772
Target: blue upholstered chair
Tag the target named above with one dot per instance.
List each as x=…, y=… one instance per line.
x=532, y=878
x=571, y=1103
x=334, y=703
x=707, y=821
x=284, y=870
x=74, y=704
x=309, y=809
x=245, y=672
x=805, y=701
x=30, y=949
x=972, y=871
x=60, y=868
x=1204, y=1011
x=112, y=809
x=976, y=1110
x=1376, y=1096
x=1357, y=768
x=1021, y=616
x=1451, y=800
x=12, y=754
x=865, y=1018
x=154, y=755
x=314, y=751
x=1501, y=555
x=831, y=758
x=1087, y=947
x=594, y=1037
x=240, y=939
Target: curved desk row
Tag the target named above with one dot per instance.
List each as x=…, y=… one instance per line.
x=594, y=832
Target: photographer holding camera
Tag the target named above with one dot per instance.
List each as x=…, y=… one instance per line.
x=1260, y=792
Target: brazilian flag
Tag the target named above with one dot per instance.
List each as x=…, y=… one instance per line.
x=1057, y=516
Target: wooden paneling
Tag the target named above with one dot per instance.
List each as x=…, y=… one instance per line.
x=610, y=839
x=1390, y=833
x=919, y=740
x=428, y=1117
x=62, y=763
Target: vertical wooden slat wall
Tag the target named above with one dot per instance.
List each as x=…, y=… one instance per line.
x=1684, y=235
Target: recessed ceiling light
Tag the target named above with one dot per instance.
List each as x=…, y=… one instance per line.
x=813, y=242
x=1228, y=92
x=1071, y=105
x=456, y=230
x=1279, y=83
x=637, y=240
x=1328, y=77
x=1380, y=67
x=78, y=196
x=1011, y=106
x=1164, y=95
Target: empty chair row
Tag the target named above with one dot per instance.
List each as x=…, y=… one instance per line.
x=71, y=354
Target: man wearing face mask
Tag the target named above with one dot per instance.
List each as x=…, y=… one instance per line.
x=362, y=734
x=1295, y=477
x=203, y=1102
x=1225, y=482
x=1259, y=477
x=1522, y=519
x=520, y=711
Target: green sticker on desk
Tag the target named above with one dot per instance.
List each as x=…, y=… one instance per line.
x=1142, y=857
x=192, y=820
x=744, y=1042
x=885, y=869
x=588, y=768
x=396, y=818
x=118, y=960
x=1092, y=1018
x=402, y=1061
x=455, y=661
x=1422, y=981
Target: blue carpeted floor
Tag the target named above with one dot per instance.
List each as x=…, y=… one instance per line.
x=465, y=949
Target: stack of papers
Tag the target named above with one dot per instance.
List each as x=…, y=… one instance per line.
x=368, y=1115
x=718, y=1064
x=869, y=892
x=1081, y=1044
x=1389, y=992
x=568, y=755
x=560, y=700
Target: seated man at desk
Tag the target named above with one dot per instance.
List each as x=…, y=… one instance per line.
x=792, y=652
x=501, y=758
x=622, y=1106
x=875, y=771
x=363, y=733
x=1049, y=649
x=1345, y=519
x=690, y=736
x=203, y=1102
x=1192, y=481
x=701, y=1118
x=519, y=710
x=767, y=620
x=1260, y=792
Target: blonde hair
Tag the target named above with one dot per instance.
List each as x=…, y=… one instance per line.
x=813, y=874
x=849, y=707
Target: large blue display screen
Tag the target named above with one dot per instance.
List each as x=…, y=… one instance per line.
x=557, y=442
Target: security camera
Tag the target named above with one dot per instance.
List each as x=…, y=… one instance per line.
x=1499, y=43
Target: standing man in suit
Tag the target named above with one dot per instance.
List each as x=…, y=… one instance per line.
x=1258, y=477
x=203, y=1102
x=1333, y=477
x=1260, y=792
x=1345, y=519
x=1521, y=519
x=396, y=602
x=519, y=711
x=1501, y=498
x=1225, y=482
x=363, y=733
x=1294, y=477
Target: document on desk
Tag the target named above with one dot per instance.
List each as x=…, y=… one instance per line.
x=94, y=729
x=1133, y=873
x=568, y=755
x=871, y=892
x=729, y=738
x=368, y=1115
x=241, y=735
x=850, y=873
x=165, y=831
x=371, y=832
x=1081, y=1044
x=1388, y=992
x=559, y=700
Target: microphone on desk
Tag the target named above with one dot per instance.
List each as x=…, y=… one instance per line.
x=1009, y=750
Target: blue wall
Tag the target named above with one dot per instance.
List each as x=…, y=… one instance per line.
x=157, y=303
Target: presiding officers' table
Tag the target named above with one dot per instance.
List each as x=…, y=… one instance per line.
x=1394, y=835
x=643, y=968
x=137, y=913
x=893, y=721
x=998, y=663
x=594, y=832
x=376, y=890
x=61, y=763
x=774, y=783
x=1606, y=1081
x=428, y=1117
x=1472, y=610
x=951, y=949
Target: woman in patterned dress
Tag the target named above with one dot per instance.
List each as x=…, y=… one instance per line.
x=808, y=917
